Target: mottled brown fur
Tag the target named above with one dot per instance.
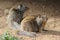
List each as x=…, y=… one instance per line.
x=34, y=23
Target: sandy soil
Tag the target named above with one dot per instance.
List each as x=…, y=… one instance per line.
x=53, y=22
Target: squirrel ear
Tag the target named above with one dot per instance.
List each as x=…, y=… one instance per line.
x=18, y=6
x=37, y=18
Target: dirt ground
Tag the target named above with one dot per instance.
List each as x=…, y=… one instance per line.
x=52, y=10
